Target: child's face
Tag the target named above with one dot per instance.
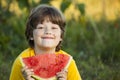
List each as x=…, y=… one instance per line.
x=47, y=35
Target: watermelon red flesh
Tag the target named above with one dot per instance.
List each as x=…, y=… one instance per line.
x=47, y=65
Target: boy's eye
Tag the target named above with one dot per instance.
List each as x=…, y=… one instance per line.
x=40, y=27
x=54, y=28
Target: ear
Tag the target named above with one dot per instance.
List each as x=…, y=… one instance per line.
x=31, y=38
x=61, y=39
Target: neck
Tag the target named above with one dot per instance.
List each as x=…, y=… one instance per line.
x=43, y=50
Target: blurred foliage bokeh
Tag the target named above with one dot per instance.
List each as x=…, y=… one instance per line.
x=92, y=35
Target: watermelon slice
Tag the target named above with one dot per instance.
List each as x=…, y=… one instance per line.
x=45, y=66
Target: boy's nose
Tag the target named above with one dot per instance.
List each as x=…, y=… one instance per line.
x=48, y=31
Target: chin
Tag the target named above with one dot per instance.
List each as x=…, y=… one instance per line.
x=49, y=46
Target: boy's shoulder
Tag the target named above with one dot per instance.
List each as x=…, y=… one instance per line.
x=63, y=52
x=27, y=52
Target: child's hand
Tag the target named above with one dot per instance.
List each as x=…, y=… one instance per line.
x=27, y=73
x=62, y=75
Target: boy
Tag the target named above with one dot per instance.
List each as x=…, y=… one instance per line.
x=44, y=32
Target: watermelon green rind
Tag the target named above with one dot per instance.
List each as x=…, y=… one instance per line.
x=68, y=63
x=38, y=78
x=21, y=61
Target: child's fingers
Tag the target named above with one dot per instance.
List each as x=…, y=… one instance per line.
x=65, y=70
x=27, y=73
x=62, y=75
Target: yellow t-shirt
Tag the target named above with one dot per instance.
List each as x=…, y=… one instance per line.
x=73, y=73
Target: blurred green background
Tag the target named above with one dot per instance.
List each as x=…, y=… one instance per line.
x=92, y=35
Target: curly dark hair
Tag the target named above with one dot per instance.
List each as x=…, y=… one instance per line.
x=38, y=15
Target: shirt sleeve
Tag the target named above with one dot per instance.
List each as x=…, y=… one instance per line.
x=16, y=67
x=73, y=73
x=16, y=71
